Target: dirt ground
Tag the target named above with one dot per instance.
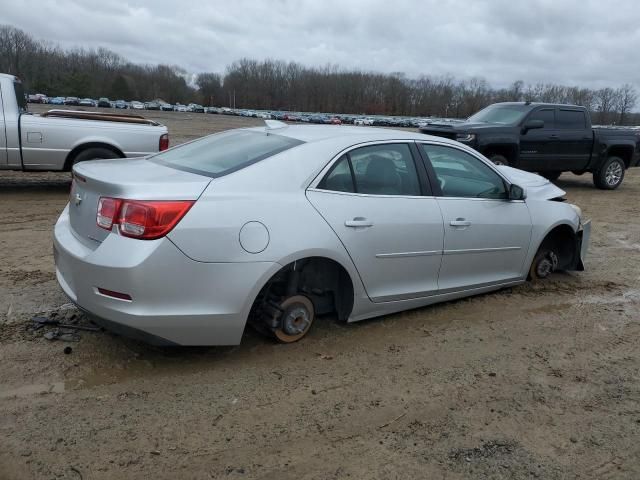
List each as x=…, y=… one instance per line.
x=538, y=381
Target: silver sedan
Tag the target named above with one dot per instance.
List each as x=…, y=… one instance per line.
x=279, y=225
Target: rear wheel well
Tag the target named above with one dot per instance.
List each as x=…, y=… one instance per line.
x=623, y=152
x=562, y=241
x=71, y=156
x=324, y=281
x=507, y=151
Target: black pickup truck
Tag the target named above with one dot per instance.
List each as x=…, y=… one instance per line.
x=548, y=139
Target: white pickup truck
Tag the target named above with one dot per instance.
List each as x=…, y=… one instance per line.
x=58, y=139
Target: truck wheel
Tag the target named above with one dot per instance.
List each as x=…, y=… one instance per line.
x=499, y=159
x=94, y=153
x=610, y=174
x=551, y=176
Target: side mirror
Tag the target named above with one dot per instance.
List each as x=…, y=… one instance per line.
x=532, y=125
x=516, y=192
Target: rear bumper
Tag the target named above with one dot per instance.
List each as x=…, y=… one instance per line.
x=174, y=300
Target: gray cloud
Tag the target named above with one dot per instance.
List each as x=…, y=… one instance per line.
x=581, y=42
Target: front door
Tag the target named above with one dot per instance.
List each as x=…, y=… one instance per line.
x=538, y=146
x=486, y=236
x=376, y=202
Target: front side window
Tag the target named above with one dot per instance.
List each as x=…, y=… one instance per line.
x=547, y=115
x=463, y=175
x=226, y=152
x=571, y=119
x=386, y=169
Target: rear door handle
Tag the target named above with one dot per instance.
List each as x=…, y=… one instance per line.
x=554, y=137
x=358, y=222
x=460, y=222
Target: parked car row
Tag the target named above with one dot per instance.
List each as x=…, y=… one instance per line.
x=304, y=117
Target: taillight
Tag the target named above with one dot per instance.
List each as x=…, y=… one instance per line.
x=164, y=142
x=146, y=220
x=108, y=209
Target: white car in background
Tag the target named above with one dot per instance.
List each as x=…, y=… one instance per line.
x=363, y=121
x=135, y=105
x=179, y=108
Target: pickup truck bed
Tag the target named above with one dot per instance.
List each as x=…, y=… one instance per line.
x=58, y=139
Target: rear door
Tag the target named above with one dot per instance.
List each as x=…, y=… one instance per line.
x=486, y=236
x=378, y=202
x=574, y=140
x=538, y=146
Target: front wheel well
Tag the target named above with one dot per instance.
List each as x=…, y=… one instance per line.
x=562, y=241
x=68, y=163
x=324, y=281
x=507, y=151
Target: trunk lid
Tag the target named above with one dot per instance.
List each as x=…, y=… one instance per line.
x=133, y=179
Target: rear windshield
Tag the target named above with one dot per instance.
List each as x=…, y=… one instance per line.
x=223, y=153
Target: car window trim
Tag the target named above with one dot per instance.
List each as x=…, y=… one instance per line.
x=439, y=194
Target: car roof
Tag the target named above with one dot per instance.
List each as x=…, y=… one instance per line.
x=350, y=134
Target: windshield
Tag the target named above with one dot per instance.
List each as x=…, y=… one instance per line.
x=20, y=99
x=504, y=114
x=226, y=152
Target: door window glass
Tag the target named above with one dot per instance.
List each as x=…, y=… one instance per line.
x=571, y=119
x=386, y=169
x=339, y=178
x=462, y=175
x=546, y=115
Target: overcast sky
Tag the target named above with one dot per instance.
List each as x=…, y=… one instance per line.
x=573, y=42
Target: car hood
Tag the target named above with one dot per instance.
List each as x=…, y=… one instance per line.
x=535, y=186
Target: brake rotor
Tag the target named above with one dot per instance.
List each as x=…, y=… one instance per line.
x=296, y=319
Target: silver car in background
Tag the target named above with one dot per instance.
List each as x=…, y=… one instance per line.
x=276, y=226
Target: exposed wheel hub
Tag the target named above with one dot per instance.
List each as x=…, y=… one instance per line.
x=296, y=320
x=297, y=315
x=547, y=265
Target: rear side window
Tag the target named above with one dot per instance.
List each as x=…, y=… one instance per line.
x=224, y=153
x=386, y=169
x=547, y=115
x=571, y=119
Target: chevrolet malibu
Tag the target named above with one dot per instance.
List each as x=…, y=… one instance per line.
x=276, y=226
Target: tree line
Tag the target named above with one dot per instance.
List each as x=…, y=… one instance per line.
x=275, y=84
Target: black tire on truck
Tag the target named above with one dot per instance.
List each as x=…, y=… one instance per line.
x=94, y=153
x=610, y=174
x=499, y=159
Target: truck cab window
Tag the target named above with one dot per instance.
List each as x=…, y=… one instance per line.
x=571, y=119
x=547, y=115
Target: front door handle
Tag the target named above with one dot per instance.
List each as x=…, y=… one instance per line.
x=460, y=222
x=358, y=222
x=553, y=137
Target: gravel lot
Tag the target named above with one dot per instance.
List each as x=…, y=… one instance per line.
x=539, y=381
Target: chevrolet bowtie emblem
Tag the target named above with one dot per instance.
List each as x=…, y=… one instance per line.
x=77, y=199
